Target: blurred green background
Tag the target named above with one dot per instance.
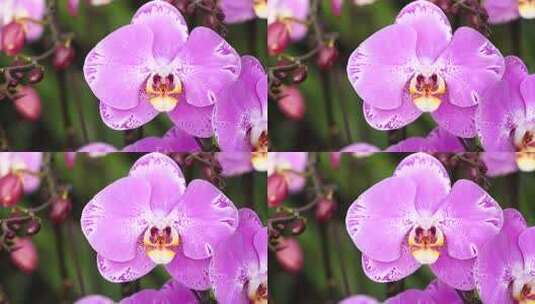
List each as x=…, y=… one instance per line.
x=90, y=26
x=354, y=176
x=88, y=177
x=355, y=25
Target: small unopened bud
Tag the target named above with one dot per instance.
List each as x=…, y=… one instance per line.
x=327, y=56
x=300, y=74
x=35, y=75
x=277, y=189
x=325, y=210
x=298, y=226
x=24, y=255
x=10, y=190
x=34, y=226
x=72, y=7
x=13, y=38
x=290, y=255
x=60, y=209
x=28, y=104
x=278, y=38
x=335, y=158
x=336, y=7
x=63, y=56
x=292, y=103
x=10, y=234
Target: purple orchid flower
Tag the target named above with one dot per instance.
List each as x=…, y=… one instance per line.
x=293, y=13
x=235, y=163
x=500, y=163
x=175, y=140
x=241, y=115
x=416, y=65
x=501, y=11
x=239, y=267
x=238, y=11
x=93, y=150
x=22, y=11
x=23, y=164
x=165, y=70
x=504, y=270
x=417, y=218
x=435, y=293
x=437, y=140
x=164, y=223
x=359, y=299
x=292, y=165
x=506, y=116
x=171, y=292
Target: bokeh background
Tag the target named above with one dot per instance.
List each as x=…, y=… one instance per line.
x=88, y=177
x=90, y=26
x=353, y=177
x=332, y=89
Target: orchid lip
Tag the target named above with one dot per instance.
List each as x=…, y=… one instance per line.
x=426, y=90
x=523, y=290
x=261, y=8
x=526, y=8
x=160, y=243
x=163, y=90
x=257, y=291
x=425, y=243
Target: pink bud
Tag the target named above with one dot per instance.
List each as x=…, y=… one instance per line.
x=325, y=210
x=336, y=7
x=278, y=38
x=63, y=57
x=72, y=7
x=24, y=255
x=290, y=256
x=10, y=190
x=277, y=189
x=13, y=38
x=60, y=209
x=327, y=56
x=70, y=159
x=28, y=104
x=292, y=103
x=335, y=159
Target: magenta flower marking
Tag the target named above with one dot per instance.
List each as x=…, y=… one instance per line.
x=237, y=11
x=504, y=270
x=291, y=165
x=150, y=218
x=510, y=126
x=417, y=218
x=18, y=10
x=435, y=293
x=424, y=68
x=239, y=266
x=22, y=164
x=165, y=69
x=241, y=115
x=501, y=11
x=288, y=11
x=175, y=140
x=437, y=140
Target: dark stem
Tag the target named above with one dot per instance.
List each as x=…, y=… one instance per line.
x=4, y=142
x=129, y=288
x=331, y=125
x=67, y=123
x=516, y=36
x=253, y=40
x=325, y=253
x=513, y=182
x=248, y=183
x=131, y=136
x=74, y=253
x=394, y=288
x=81, y=118
x=345, y=112
x=66, y=284
x=395, y=136
x=469, y=297
x=335, y=232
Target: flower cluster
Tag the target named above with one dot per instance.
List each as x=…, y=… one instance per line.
x=195, y=231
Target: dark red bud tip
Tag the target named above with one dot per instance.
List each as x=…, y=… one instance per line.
x=278, y=38
x=35, y=75
x=300, y=74
x=60, y=210
x=10, y=190
x=292, y=103
x=325, y=210
x=298, y=226
x=63, y=57
x=327, y=56
x=277, y=189
x=33, y=227
x=290, y=255
x=13, y=38
x=28, y=104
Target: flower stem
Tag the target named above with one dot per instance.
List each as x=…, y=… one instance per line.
x=395, y=136
x=332, y=131
x=516, y=36
x=394, y=288
x=67, y=122
x=325, y=253
x=513, y=184
x=74, y=253
x=66, y=284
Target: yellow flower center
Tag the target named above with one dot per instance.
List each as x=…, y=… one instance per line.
x=161, y=243
x=526, y=8
x=425, y=244
x=426, y=91
x=524, y=139
x=523, y=291
x=257, y=292
x=163, y=91
x=261, y=8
